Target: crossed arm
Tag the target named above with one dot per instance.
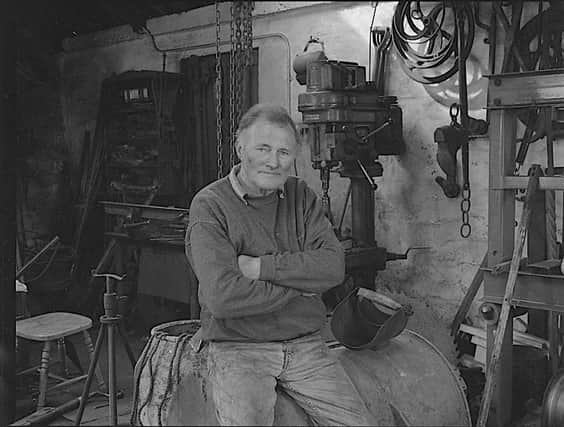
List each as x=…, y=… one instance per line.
x=235, y=285
x=224, y=289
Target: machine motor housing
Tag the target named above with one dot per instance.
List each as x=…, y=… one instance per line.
x=338, y=123
x=346, y=118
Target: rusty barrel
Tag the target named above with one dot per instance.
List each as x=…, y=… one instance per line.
x=406, y=382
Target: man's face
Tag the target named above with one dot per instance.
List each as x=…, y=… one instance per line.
x=267, y=152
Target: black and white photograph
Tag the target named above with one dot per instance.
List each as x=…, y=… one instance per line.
x=282, y=213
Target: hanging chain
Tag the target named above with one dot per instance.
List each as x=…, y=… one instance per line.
x=465, y=204
x=218, y=93
x=243, y=66
x=239, y=61
x=238, y=75
x=245, y=54
x=232, y=84
x=248, y=34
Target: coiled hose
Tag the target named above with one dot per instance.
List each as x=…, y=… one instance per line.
x=427, y=44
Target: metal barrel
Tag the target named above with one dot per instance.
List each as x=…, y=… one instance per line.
x=408, y=381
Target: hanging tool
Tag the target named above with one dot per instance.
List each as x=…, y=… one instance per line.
x=493, y=363
x=449, y=140
x=381, y=37
x=465, y=228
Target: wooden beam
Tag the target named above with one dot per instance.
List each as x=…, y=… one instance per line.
x=500, y=341
x=7, y=224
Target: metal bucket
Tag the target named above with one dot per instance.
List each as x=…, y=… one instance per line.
x=406, y=382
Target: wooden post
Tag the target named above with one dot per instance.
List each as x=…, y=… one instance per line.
x=7, y=224
x=504, y=318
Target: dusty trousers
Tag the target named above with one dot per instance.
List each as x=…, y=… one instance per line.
x=245, y=376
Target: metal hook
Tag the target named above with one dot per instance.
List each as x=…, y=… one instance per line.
x=453, y=111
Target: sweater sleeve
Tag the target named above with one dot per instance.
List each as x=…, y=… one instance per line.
x=223, y=289
x=320, y=266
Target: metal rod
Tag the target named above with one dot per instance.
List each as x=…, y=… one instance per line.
x=91, y=368
x=347, y=198
x=37, y=255
x=366, y=175
x=378, y=129
x=112, y=374
x=469, y=297
x=46, y=415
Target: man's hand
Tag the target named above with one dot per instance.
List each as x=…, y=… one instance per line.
x=249, y=266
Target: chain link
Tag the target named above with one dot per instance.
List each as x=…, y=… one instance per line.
x=218, y=93
x=465, y=228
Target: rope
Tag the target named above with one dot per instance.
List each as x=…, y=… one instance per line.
x=175, y=359
x=138, y=380
x=146, y=362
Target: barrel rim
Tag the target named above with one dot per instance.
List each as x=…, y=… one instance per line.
x=158, y=330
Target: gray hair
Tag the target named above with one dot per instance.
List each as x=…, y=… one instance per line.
x=270, y=113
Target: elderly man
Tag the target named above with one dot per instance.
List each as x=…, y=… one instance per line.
x=263, y=253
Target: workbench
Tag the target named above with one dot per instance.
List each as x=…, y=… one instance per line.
x=158, y=233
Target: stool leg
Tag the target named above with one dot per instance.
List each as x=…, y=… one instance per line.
x=90, y=347
x=63, y=356
x=43, y=370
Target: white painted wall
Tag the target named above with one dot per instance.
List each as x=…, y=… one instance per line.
x=411, y=209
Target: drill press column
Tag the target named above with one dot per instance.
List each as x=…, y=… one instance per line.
x=362, y=213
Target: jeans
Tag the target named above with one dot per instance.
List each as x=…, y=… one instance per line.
x=244, y=377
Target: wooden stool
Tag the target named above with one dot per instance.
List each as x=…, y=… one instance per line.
x=51, y=327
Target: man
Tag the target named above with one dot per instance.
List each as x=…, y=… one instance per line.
x=263, y=253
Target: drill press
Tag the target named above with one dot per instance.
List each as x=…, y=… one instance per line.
x=348, y=124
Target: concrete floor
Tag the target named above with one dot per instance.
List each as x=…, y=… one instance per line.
x=97, y=408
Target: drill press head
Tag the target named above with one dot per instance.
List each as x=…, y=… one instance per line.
x=345, y=118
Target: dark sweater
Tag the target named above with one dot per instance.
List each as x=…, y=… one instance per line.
x=299, y=254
